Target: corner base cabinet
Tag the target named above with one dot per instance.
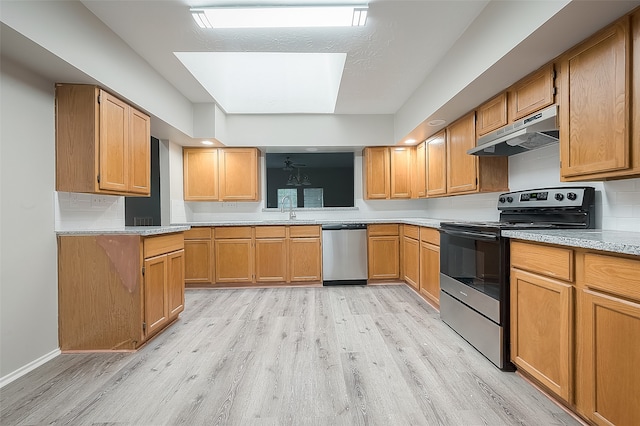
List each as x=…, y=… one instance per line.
x=117, y=291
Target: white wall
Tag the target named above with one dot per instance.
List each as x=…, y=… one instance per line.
x=28, y=263
x=315, y=130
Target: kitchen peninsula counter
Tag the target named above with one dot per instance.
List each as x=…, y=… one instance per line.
x=128, y=230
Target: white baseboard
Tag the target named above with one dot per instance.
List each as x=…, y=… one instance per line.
x=29, y=367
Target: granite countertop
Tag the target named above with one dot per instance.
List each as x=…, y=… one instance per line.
x=431, y=223
x=597, y=239
x=129, y=230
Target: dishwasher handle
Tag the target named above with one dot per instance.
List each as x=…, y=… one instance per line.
x=343, y=226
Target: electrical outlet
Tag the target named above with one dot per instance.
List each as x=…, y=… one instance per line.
x=98, y=201
x=74, y=200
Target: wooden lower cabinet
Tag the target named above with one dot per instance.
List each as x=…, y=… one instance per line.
x=608, y=329
x=430, y=265
x=117, y=291
x=610, y=373
x=411, y=261
x=271, y=254
x=198, y=255
x=383, y=251
x=541, y=337
x=234, y=260
x=305, y=259
x=580, y=340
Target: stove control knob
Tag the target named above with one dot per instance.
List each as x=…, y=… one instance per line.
x=559, y=196
x=509, y=199
x=571, y=196
x=501, y=199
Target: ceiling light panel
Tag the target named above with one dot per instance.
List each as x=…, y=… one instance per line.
x=268, y=82
x=280, y=16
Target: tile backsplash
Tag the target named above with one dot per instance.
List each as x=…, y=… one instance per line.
x=75, y=211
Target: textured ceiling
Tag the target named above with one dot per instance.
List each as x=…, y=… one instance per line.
x=386, y=60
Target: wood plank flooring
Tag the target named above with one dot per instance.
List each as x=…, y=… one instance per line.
x=376, y=355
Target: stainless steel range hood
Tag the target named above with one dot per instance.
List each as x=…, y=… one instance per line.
x=532, y=132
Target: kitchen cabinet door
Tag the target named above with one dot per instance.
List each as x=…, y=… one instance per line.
x=420, y=176
x=156, y=307
x=533, y=93
x=430, y=265
x=436, y=165
x=384, y=257
x=271, y=259
x=492, y=114
x=139, y=153
x=400, y=171
x=114, y=143
x=198, y=258
x=198, y=255
x=200, y=174
x=609, y=375
x=595, y=136
x=376, y=173
x=305, y=259
x=462, y=169
x=238, y=174
x=234, y=260
x=175, y=283
x=411, y=261
x=541, y=330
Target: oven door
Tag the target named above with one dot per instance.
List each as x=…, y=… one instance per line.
x=473, y=269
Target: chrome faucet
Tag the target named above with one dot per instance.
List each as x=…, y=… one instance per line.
x=292, y=214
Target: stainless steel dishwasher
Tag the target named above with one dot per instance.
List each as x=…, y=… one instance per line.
x=344, y=254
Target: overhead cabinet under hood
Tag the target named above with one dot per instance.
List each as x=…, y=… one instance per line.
x=532, y=132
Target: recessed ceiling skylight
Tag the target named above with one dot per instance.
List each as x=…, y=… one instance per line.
x=268, y=82
x=280, y=16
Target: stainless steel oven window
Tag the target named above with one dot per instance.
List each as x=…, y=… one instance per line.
x=473, y=262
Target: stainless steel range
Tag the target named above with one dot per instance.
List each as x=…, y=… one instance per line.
x=474, y=262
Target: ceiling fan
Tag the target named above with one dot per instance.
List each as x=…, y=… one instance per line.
x=290, y=165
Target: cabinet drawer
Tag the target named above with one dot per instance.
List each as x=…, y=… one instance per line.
x=270, y=231
x=200, y=233
x=430, y=235
x=154, y=246
x=233, y=232
x=556, y=262
x=383, y=229
x=612, y=274
x=411, y=231
x=299, y=231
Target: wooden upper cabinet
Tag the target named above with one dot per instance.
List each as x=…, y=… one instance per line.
x=420, y=171
x=492, y=115
x=103, y=145
x=532, y=93
x=376, y=173
x=436, y=165
x=139, y=153
x=238, y=174
x=462, y=169
x=595, y=127
x=400, y=171
x=114, y=146
x=200, y=171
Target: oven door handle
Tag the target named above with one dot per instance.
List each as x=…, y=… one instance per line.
x=473, y=235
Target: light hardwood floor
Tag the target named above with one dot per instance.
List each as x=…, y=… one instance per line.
x=376, y=355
